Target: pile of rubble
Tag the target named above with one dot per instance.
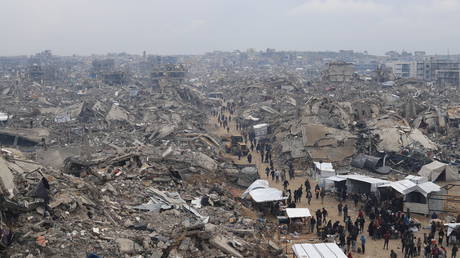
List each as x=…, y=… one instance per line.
x=120, y=171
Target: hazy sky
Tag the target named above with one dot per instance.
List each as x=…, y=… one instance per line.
x=197, y=26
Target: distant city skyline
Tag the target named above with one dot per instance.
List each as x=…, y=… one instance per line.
x=86, y=27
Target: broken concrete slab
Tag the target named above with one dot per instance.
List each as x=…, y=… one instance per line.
x=222, y=244
x=7, y=186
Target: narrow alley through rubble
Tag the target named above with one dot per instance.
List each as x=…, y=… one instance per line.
x=374, y=248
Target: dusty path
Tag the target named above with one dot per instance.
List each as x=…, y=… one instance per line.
x=374, y=248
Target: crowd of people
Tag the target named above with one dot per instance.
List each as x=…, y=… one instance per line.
x=376, y=218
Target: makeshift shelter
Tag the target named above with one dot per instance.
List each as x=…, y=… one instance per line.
x=438, y=171
x=395, y=192
x=363, y=184
x=419, y=198
x=334, y=183
x=322, y=171
x=416, y=179
x=403, y=186
x=298, y=213
x=258, y=184
x=298, y=218
x=266, y=195
x=329, y=250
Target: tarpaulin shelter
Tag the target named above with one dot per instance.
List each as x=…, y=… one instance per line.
x=258, y=184
x=298, y=218
x=266, y=195
x=323, y=170
x=355, y=183
x=419, y=198
x=363, y=184
x=403, y=186
x=298, y=213
x=322, y=250
x=438, y=171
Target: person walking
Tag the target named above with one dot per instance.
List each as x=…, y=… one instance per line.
x=249, y=158
x=339, y=208
x=454, y=251
x=363, y=243
x=309, y=196
x=307, y=184
x=345, y=212
x=441, y=236
x=285, y=184
x=324, y=213
x=277, y=176
x=386, y=238
x=317, y=192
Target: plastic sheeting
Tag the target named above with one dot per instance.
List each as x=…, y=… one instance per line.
x=266, y=195
x=324, y=166
x=298, y=212
x=434, y=170
x=258, y=184
x=402, y=186
x=323, y=250
x=426, y=188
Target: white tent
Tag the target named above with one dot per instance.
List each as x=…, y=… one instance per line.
x=361, y=183
x=439, y=171
x=266, y=195
x=298, y=213
x=417, y=198
x=426, y=188
x=258, y=184
x=402, y=186
x=322, y=250
x=323, y=170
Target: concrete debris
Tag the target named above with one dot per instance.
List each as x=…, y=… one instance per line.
x=122, y=155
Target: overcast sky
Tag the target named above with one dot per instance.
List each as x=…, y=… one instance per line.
x=197, y=26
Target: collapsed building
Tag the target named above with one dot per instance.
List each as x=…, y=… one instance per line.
x=87, y=167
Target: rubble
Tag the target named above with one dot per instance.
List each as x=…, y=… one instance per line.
x=109, y=161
